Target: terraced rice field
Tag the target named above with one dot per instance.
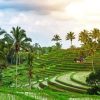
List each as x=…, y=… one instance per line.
x=66, y=78
x=64, y=82
x=59, y=77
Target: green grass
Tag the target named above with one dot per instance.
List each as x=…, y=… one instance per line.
x=54, y=64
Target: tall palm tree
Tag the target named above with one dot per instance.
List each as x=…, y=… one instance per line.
x=92, y=46
x=3, y=51
x=3, y=48
x=2, y=31
x=95, y=34
x=70, y=36
x=57, y=39
x=30, y=67
x=84, y=36
x=19, y=36
x=9, y=44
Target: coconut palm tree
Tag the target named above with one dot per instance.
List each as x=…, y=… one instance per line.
x=84, y=36
x=2, y=31
x=57, y=39
x=30, y=67
x=95, y=34
x=92, y=46
x=9, y=44
x=3, y=47
x=20, y=38
x=70, y=36
x=2, y=52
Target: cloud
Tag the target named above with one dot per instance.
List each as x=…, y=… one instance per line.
x=41, y=7
x=44, y=18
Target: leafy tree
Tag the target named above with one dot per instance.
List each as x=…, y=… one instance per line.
x=92, y=46
x=57, y=39
x=95, y=34
x=58, y=45
x=2, y=31
x=70, y=36
x=87, y=38
x=9, y=45
x=30, y=67
x=84, y=36
x=3, y=52
x=3, y=47
x=94, y=81
x=20, y=38
x=37, y=49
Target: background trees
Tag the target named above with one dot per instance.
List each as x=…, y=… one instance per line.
x=20, y=38
x=84, y=36
x=70, y=36
x=95, y=34
x=94, y=81
x=3, y=48
x=90, y=42
x=57, y=39
x=30, y=67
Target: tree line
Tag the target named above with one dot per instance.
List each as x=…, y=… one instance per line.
x=11, y=46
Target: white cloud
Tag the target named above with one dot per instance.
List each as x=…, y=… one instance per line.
x=61, y=16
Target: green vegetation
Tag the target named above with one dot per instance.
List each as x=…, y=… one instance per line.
x=70, y=36
x=32, y=72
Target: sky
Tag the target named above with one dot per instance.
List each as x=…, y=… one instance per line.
x=44, y=18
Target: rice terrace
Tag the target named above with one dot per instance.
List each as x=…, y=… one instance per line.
x=46, y=53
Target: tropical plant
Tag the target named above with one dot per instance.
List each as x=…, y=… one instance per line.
x=94, y=81
x=37, y=49
x=30, y=67
x=3, y=47
x=84, y=36
x=92, y=46
x=2, y=31
x=70, y=36
x=57, y=39
x=95, y=34
x=3, y=52
x=20, y=38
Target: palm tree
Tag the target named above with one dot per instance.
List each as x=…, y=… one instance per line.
x=20, y=38
x=3, y=47
x=92, y=46
x=70, y=36
x=57, y=39
x=95, y=34
x=2, y=31
x=84, y=36
x=30, y=67
x=3, y=51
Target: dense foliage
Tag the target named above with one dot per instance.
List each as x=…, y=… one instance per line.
x=26, y=65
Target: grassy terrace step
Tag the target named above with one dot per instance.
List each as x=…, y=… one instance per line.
x=65, y=79
x=63, y=87
x=80, y=77
x=43, y=84
x=69, y=69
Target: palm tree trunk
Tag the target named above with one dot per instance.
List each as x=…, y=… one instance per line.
x=71, y=42
x=19, y=59
x=93, y=63
x=30, y=77
x=16, y=67
x=11, y=60
x=30, y=83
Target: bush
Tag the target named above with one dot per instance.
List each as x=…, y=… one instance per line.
x=94, y=81
x=94, y=90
